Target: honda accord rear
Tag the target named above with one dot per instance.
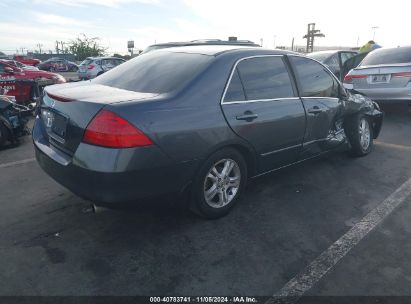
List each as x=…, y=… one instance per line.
x=98, y=139
x=384, y=75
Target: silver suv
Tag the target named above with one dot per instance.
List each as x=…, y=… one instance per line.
x=94, y=66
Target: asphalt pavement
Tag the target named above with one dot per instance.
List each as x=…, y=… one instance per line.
x=51, y=244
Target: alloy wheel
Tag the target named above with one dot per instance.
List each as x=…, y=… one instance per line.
x=365, y=134
x=222, y=183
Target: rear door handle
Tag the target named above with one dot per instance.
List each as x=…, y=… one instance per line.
x=315, y=110
x=247, y=117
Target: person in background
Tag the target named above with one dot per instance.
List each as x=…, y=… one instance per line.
x=369, y=46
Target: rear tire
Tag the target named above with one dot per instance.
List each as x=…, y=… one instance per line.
x=359, y=131
x=4, y=134
x=218, y=184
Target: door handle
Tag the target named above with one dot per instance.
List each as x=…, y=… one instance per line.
x=314, y=110
x=248, y=116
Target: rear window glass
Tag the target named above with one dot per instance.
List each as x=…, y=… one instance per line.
x=321, y=57
x=388, y=56
x=156, y=72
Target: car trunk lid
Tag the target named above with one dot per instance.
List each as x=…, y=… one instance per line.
x=382, y=76
x=67, y=109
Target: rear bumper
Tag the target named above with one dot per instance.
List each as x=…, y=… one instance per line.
x=84, y=75
x=387, y=95
x=105, y=175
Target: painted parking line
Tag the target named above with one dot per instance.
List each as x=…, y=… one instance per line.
x=19, y=162
x=307, y=278
x=401, y=147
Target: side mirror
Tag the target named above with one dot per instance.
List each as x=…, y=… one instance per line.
x=8, y=70
x=343, y=92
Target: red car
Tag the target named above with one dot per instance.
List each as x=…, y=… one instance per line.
x=19, y=83
x=26, y=60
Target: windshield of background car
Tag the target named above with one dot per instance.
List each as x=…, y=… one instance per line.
x=319, y=56
x=86, y=62
x=388, y=56
x=156, y=72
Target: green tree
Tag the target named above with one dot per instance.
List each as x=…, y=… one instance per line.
x=83, y=47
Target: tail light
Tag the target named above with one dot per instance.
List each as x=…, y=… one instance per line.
x=403, y=74
x=107, y=129
x=90, y=66
x=348, y=78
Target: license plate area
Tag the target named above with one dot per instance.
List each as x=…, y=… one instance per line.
x=56, y=124
x=383, y=78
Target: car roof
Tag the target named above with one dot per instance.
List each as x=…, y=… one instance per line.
x=206, y=42
x=103, y=57
x=215, y=50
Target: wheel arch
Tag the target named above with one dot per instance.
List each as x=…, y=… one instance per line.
x=246, y=151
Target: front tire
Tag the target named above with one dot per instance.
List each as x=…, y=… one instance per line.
x=360, y=134
x=219, y=184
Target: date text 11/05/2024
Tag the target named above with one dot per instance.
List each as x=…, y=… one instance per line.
x=237, y=299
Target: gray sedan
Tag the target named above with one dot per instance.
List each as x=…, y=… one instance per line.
x=384, y=75
x=198, y=120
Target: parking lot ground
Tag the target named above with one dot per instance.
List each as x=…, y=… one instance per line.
x=70, y=76
x=50, y=245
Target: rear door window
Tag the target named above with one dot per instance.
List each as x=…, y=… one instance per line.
x=314, y=79
x=333, y=63
x=265, y=78
x=345, y=56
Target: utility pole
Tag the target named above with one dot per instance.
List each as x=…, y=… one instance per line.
x=311, y=34
x=39, y=45
x=374, y=28
x=292, y=45
x=261, y=42
x=62, y=46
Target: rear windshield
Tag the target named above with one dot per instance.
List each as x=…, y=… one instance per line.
x=155, y=72
x=388, y=56
x=87, y=61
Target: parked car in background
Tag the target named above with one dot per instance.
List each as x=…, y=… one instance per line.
x=27, y=60
x=334, y=60
x=201, y=119
x=384, y=75
x=12, y=80
x=352, y=63
x=56, y=64
x=199, y=42
x=92, y=67
x=22, y=65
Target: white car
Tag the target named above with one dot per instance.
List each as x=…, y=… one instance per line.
x=92, y=67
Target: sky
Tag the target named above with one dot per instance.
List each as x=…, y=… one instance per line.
x=27, y=23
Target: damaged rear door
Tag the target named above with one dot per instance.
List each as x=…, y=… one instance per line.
x=319, y=91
